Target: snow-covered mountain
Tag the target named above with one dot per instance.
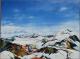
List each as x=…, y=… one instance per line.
x=62, y=45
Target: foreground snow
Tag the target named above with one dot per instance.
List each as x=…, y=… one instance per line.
x=37, y=42
x=6, y=55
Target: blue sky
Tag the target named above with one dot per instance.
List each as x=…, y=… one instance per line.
x=39, y=13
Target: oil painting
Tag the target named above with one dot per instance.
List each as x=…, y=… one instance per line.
x=40, y=29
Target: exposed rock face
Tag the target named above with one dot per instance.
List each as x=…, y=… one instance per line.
x=64, y=45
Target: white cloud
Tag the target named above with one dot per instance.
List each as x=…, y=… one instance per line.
x=63, y=9
x=16, y=10
x=73, y=25
x=31, y=17
x=10, y=30
x=64, y=1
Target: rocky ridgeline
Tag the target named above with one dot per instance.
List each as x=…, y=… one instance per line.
x=63, y=45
